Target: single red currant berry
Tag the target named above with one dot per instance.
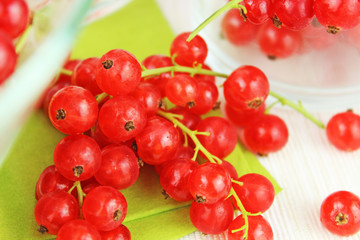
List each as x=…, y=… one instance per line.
x=105, y=208
x=14, y=17
x=188, y=53
x=206, y=98
x=182, y=90
x=174, y=178
x=122, y=118
x=158, y=141
x=73, y=110
x=150, y=97
x=247, y=87
x=259, y=228
x=89, y=185
x=77, y=157
x=84, y=75
x=119, y=167
x=338, y=14
x=54, y=209
x=120, y=233
x=209, y=183
x=343, y=131
x=266, y=134
x=222, y=138
x=212, y=218
x=78, y=229
x=240, y=117
x=278, y=43
x=258, y=11
x=8, y=57
x=340, y=213
x=256, y=192
x=294, y=15
x=237, y=31
x=118, y=72
x=96, y=134
x=51, y=180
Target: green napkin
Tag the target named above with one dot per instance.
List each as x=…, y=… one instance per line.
x=141, y=29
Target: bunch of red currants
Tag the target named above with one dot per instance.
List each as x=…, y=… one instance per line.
x=119, y=114
x=14, y=18
x=283, y=28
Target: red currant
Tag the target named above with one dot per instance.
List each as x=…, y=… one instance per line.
x=8, y=57
x=174, y=178
x=51, y=180
x=77, y=157
x=209, y=183
x=73, y=110
x=236, y=30
x=78, y=229
x=257, y=192
x=343, y=131
x=337, y=14
x=158, y=141
x=119, y=167
x=84, y=75
x=266, y=134
x=150, y=97
x=122, y=118
x=118, y=72
x=182, y=90
x=247, y=87
x=222, y=139
x=14, y=17
x=206, y=98
x=278, y=43
x=258, y=11
x=54, y=209
x=120, y=233
x=259, y=228
x=105, y=208
x=188, y=53
x=340, y=213
x=212, y=218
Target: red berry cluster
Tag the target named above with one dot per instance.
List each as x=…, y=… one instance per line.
x=282, y=28
x=112, y=108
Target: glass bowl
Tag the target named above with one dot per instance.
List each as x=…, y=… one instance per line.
x=325, y=79
x=47, y=46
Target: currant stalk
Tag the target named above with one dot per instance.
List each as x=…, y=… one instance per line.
x=192, y=134
x=225, y=8
x=177, y=68
x=298, y=107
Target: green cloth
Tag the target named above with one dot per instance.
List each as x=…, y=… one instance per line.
x=140, y=29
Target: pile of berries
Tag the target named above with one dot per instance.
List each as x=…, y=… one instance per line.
x=282, y=28
x=14, y=19
x=119, y=114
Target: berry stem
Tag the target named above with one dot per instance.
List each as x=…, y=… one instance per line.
x=244, y=214
x=217, y=13
x=101, y=96
x=22, y=39
x=298, y=107
x=158, y=71
x=65, y=72
x=237, y=182
x=192, y=134
x=80, y=193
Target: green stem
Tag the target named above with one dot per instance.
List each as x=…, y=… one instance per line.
x=192, y=134
x=244, y=214
x=298, y=107
x=237, y=182
x=22, y=39
x=226, y=7
x=80, y=193
x=158, y=71
x=65, y=72
x=101, y=96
